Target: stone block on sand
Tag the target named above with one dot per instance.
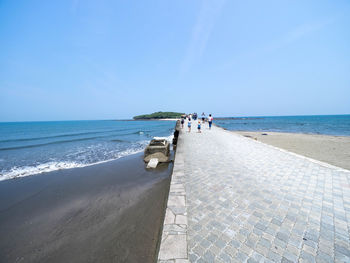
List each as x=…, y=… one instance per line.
x=152, y=163
x=158, y=148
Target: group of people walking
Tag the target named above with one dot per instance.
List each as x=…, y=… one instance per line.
x=199, y=124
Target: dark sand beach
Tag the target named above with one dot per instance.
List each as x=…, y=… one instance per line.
x=110, y=212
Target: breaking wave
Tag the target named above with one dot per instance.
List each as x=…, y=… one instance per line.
x=16, y=172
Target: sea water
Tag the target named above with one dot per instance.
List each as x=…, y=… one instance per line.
x=28, y=148
x=322, y=124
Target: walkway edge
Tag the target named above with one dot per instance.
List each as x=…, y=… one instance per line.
x=173, y=245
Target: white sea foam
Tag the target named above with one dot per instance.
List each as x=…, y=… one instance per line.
x=168, y=138
x=41, y=168
x=23, y=171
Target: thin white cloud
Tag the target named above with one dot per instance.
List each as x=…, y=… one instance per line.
x=304, y=30
x=299, y=32
x=207, y=16
x=288, y=38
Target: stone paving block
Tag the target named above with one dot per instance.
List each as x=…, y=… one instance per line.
x=226, y=238
x=286, y=260
x=244, y=232
x=310, y=243
x=343, y=250
x=245, y=249
x=212, y=237
x=290, y=256
x=274, y=256
x=177, y=209
x=282, y=236
x=276, y=222
x=279, y=243
x=265, y=242
x=307, y=256
x=225, y=257
x=235, y=243
x=220, y=243
x=192, y=257
x=271, y=231
x=323, y=257
x=182, y=261
x=262, y=250
x=174, y=246
x=175, y=200
x=339, y=257
x=209, y=256
x=169, y=217
x=181, y=220
x=215, y=250
x=205, y=243
x=241, y=257
x=231, y=251
x=240, y=238
x=198, y=249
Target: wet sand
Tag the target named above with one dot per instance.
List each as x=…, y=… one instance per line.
x=110, y=212
x=334, y=150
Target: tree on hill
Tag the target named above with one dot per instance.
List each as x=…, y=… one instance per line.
x=159, y=115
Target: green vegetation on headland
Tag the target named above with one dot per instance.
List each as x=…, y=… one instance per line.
x=159, y=115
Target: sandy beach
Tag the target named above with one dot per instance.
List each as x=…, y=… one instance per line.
x=334, y=150
x=111, y=212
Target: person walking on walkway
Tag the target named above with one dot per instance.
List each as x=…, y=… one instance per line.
x=203, y=117
x=210, y=121
x=189, y=125
x=182, y=122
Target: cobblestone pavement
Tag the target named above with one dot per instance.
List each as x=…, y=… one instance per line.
x=250, y=202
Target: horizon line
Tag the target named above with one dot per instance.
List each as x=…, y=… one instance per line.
x=131, y=119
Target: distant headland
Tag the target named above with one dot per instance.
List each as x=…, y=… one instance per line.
x=159, y=115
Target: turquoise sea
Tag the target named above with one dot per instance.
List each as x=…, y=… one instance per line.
x=28, y=148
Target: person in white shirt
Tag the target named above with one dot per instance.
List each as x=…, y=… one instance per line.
x=189, y=125
x=210, y=121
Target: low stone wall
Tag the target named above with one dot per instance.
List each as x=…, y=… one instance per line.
x=173, y=246
x=176, y=134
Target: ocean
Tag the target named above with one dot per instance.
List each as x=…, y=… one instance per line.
x=322, y=124
x=28, y=148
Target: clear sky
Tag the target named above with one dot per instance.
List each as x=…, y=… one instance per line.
x=63, y=60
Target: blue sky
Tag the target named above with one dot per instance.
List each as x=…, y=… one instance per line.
x=63, y=60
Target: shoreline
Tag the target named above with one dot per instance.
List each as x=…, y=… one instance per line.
x=5, y=177
x=331, y=149
x=106, y=212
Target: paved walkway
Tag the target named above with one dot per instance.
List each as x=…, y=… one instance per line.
x=247, y=201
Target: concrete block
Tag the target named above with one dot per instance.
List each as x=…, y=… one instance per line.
x=174, y=247
x=152, y=163
x=157, y=149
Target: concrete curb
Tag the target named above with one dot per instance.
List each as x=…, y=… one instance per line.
x=173, y=245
